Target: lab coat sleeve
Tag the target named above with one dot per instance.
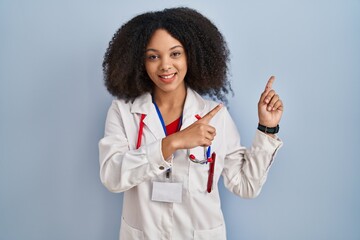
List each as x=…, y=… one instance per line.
x=245, y=169
x=122, y=168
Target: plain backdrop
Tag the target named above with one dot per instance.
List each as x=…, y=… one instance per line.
x=53, y=105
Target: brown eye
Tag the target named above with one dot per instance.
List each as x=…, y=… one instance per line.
x=152, y=57
x=175, y=54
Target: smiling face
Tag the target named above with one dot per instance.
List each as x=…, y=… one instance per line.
x=165, y=62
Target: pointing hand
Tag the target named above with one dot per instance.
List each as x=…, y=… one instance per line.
x=270, y=106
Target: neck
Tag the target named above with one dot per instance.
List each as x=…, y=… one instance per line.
x=170, y=104
x=170, y=100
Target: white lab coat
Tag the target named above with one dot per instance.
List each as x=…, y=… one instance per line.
x=123, y=168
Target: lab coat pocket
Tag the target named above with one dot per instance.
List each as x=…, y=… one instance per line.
x=198, y=173
x=128, y=232
x=217, y=233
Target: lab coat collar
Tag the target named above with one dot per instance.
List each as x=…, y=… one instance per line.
x=194, y=104
x=143, y=105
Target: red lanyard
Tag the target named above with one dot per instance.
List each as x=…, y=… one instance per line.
x=211, y=173
x=141, y=128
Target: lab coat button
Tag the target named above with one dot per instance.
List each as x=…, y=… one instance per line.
x=161, y=168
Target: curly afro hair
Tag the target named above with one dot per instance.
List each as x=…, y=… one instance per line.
x=206, y=50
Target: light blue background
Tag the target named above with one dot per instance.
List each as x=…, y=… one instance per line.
x=53, y=105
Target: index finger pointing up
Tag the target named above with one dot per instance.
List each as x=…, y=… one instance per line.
x=270, y=83
x=212, y=113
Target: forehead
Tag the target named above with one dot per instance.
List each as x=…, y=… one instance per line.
x=162, y=40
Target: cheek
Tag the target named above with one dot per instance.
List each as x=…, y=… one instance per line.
x=184, y=68
x=181, y=66
x=149, y=69
x=185, y=65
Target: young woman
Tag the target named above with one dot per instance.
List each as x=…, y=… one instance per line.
x=165, y=146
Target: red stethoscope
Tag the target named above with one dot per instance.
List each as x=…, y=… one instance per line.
x=207, y=158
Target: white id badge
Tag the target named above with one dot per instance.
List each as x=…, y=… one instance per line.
x=167, y=192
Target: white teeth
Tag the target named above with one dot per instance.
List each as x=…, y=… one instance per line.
x=169, y=76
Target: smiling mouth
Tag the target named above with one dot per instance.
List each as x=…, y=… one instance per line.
x=167, y=76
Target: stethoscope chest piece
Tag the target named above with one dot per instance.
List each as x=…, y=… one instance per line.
x=205, y=153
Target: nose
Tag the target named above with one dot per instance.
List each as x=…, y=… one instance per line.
x=166, y=64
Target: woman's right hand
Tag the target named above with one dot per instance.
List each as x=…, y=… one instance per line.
x=200, y=133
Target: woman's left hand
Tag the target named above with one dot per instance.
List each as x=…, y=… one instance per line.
x=270, y=106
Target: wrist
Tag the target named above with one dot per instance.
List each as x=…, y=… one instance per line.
x=267, y=129
x=170, y=142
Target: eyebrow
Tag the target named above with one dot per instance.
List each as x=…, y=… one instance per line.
x=152, y=49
